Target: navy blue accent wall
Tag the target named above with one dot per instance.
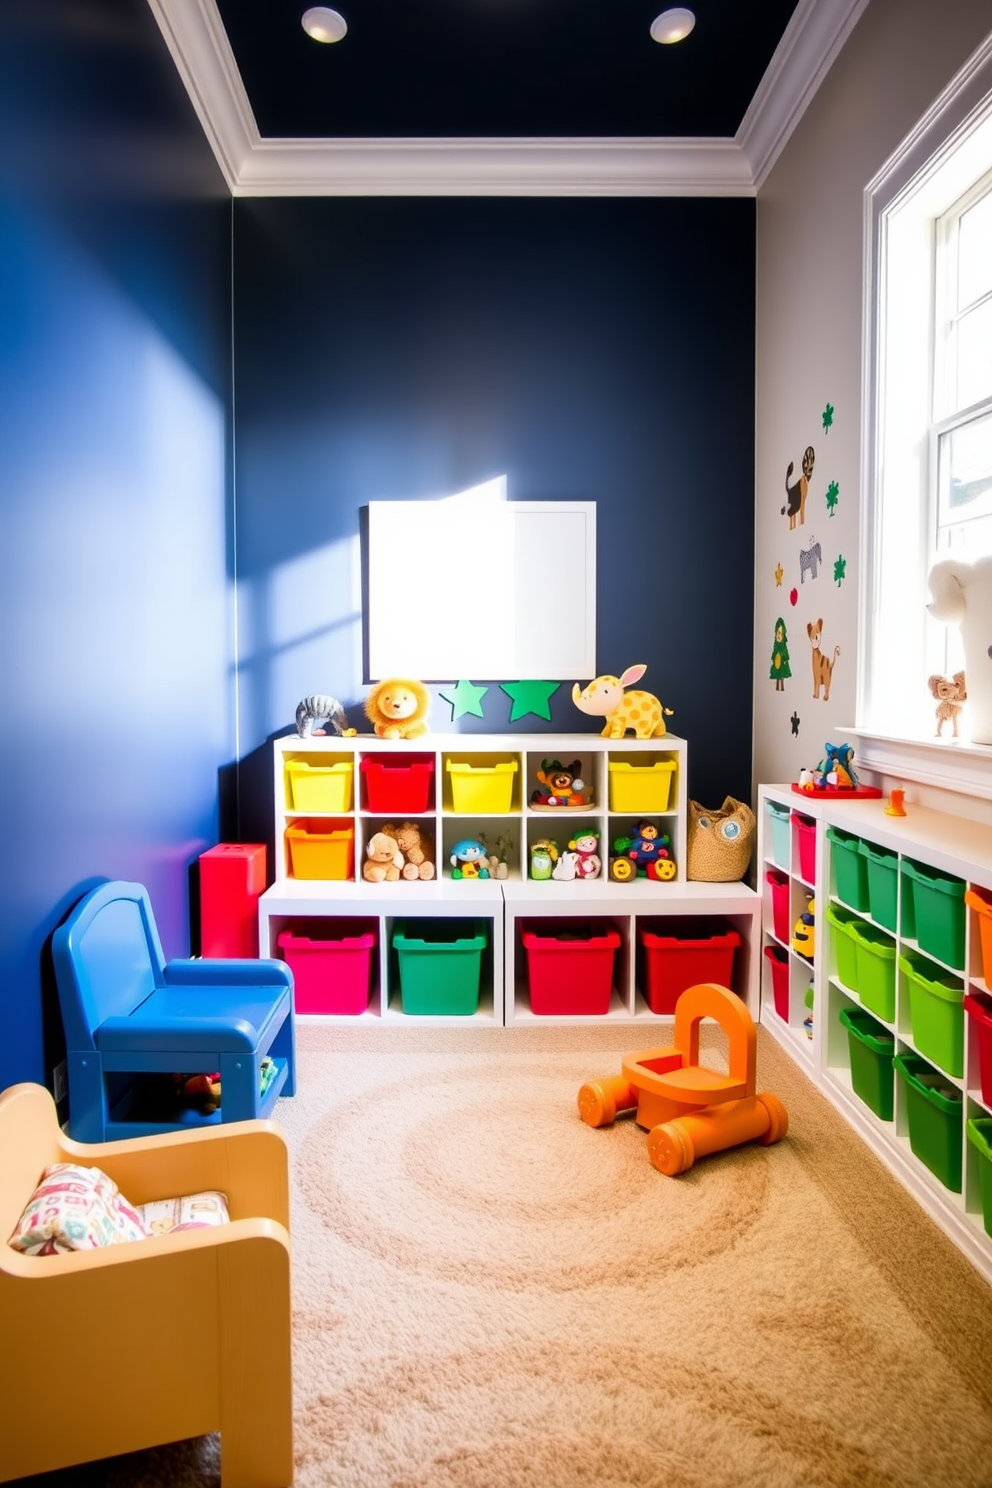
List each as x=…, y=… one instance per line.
x=590, y=349
x=116, y=559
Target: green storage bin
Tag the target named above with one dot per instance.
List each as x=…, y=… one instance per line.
x=850, y=869
x=936, y=1012
x=844, y=944
x=876, y=969
x=872, y=1048
x=979, y=1130
x=440, y=966
x=935, y=1113
x=938, y=909
x=882, y=868
x=779, y=832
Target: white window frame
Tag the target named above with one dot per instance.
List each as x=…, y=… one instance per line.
x=947, y=152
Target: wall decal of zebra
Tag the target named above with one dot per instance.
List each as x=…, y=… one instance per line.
x=809, y=560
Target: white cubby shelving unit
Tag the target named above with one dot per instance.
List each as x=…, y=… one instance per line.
x=877, y=915
x=496, y=803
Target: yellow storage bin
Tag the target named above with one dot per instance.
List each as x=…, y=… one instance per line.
x=481, y=788
x=638, y=788
x=319, y=787
x=321, y=849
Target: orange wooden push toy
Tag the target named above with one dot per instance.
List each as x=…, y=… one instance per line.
x=688, y=1110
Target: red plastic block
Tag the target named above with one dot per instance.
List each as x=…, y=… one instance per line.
x=232, y=880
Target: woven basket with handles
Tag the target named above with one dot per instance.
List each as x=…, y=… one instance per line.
x=720, y=842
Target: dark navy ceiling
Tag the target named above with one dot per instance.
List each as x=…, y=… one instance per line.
x=502, y=68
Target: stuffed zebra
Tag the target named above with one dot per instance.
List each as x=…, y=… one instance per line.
x=320, y=707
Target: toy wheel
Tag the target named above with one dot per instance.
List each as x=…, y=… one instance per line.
x=599, y=1099
x=778, y=1119
x=622, y=870
x=670, y=1148
x=661, y=869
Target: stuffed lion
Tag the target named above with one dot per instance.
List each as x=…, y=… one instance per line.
x=398, y=707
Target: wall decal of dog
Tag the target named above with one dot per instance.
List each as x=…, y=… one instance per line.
x=823, y=666
x=795, y=505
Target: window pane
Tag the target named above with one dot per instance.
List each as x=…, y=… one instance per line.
x=965, y=463
x=975, y=356
x=975, y=252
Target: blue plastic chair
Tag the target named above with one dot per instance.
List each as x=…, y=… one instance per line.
x=132, y=1020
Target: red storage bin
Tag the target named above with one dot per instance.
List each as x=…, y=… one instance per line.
x=570, y=967
x=781, y=918
x=232, y=880
x=778, y=962
x=331, y=974
x=695, y=952
x=398, y=785
x=806, y=837
x=978, y=1006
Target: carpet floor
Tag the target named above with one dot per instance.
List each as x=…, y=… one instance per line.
x=490, y=1294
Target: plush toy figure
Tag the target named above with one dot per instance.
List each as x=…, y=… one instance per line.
x=398, y=707
x=962, y=596
x=418, y=856
x=383, y=860
x=469, y=859
x=560, y=784
x=951, y=694
x=543, y=857
x=838, y=761
x=586, y=848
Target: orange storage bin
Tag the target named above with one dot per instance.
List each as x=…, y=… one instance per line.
x=321, y=849
x=980, y=900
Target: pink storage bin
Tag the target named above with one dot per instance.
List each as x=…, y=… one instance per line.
x=778, y=963
x=978, y=1006
x=781, y=919
x=330, y=975
x=806, y=838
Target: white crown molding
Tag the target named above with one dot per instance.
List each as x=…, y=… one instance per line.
x=253, y=166
x=808, y=49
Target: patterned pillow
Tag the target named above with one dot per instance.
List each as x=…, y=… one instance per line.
x=193, y=1212
x=75, y=1208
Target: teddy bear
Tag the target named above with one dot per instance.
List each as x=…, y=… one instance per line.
x=398, y=707
x=416, y=849
x=951, y=694
x=383, y=860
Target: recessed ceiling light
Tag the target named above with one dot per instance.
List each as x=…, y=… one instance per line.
x=672, y=25
x=324, y=24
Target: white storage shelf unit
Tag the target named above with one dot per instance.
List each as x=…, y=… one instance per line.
x=489, y=794
x=879, y=961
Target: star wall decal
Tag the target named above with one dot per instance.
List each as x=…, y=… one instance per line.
x=779, y=575
x=530, y=697
x=465, y=697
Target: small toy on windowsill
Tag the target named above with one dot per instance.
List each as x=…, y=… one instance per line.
x=560, y=786
x=834, y=776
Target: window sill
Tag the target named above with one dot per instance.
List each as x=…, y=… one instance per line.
x=945, y=764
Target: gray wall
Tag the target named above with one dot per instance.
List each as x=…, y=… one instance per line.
x=898, y=59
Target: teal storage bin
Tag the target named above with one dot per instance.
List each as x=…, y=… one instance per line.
x=935, y=1114
x=938, y=910
x=843, y=943
x=936, y=1012
x=979, y=1130
x=872, y=1048
x=882, y=868
x=777, y=819
x=876, y=969
x=440, y=964
x=850, y=871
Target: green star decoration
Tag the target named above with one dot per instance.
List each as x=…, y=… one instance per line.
x=464, y=698
x=831, y=498
x=828, y=417
x=530, y=697
x=840, y=570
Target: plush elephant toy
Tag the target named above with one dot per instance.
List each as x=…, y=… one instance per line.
x=962, y=595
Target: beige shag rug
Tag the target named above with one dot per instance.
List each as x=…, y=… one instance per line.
x=489, y=1294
